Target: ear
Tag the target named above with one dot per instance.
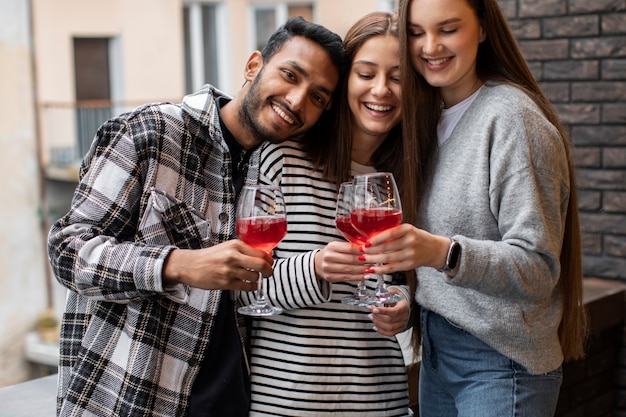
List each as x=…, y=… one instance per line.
x=254, y=64
x=483, y=34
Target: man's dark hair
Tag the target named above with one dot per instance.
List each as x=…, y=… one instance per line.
x=297, y=26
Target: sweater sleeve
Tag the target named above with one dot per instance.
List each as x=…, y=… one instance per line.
x=511, y=242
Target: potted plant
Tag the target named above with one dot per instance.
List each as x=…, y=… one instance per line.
x=48, y=327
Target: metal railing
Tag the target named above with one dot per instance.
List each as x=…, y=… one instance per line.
x=68, y=129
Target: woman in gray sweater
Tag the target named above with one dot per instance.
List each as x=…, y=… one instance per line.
x=497, y=242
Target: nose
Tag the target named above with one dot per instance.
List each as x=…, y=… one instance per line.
x=296, y=98
x=380, y=88
x=431, y=44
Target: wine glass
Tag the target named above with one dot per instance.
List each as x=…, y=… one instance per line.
x=261, y=223
x=377, y=208
x=345, y=199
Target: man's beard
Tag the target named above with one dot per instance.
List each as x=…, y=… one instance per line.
x=249, y=114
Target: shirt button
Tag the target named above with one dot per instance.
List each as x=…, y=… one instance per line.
x=224, y=171
x=223, y=217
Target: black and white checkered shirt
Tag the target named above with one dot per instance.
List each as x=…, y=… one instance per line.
x=156, y=178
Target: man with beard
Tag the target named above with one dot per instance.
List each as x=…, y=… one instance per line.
x=148, y=249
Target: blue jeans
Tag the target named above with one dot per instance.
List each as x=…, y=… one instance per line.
x=462, y=376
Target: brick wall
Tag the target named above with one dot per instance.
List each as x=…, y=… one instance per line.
x=577, y=51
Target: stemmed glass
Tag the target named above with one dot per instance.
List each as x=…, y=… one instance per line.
x=377, y=208
x=345, y=200
x=261, y=223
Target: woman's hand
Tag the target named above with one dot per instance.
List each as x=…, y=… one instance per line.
x=339, y=261
x=403, y=248
x=391, y=320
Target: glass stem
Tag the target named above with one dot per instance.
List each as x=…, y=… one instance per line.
x=381, y=287
x=260, y=294
x=360, y=289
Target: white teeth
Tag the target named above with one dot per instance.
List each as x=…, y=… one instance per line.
x=437, y=61
x=377, y=107
x=283, y=115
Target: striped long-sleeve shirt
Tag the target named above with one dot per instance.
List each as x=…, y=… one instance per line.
x=320, y=357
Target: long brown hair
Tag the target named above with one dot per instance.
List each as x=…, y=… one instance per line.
x=499, y=59
x=331, y=152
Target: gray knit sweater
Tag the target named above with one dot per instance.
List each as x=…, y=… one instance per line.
x=500, y=186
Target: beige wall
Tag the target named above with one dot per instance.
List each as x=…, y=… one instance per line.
x=22, y=258
x=151, y=47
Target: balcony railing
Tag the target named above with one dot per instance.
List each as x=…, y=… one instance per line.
x=67, y=130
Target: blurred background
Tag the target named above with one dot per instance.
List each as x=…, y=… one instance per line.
x=68, y=65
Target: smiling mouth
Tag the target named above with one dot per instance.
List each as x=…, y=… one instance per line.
x=377, y=107
x=437, y=61
x=283, y=115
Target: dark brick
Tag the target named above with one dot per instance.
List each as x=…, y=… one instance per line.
x=614, y=113
x=603, y=223
x=578, y=113
x=526, y=28
x=592, y=244
x=545, y=49
x=586, y=6
x=614, y=158
x=532, y=8
x=589, y=200
x=605, y=267
x=615, y=245
x=613, y=23
x=599, y=135
x=614, y=201
x=596, y=91
x=571, y=70
x=605, y=47
x=509, y=8
x=613, y=69
x=587, y=157
x=601, y=179
x=556, y=92
x=571, y=26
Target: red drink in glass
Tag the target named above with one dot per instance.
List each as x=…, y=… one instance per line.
x=371, y=221
x=344, y=225
x=262, y=232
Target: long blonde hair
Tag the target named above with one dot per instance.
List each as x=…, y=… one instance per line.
x=499, y=59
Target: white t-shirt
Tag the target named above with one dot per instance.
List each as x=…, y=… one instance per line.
x=450, y=117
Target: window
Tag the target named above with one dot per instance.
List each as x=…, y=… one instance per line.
x=267, y=18
x=94, y=85
x=202, y=60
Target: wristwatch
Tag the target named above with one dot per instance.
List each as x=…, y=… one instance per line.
x=454, y=254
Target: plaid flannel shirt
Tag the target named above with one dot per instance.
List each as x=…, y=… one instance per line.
x=156, y=178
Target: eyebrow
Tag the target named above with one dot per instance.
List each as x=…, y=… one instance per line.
x=365, y=62
x=373, y=64
x=442, y=23
x=297, y=67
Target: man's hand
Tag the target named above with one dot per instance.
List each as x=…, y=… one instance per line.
x=231, y=265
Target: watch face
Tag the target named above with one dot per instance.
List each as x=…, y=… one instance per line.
x=453, y=255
